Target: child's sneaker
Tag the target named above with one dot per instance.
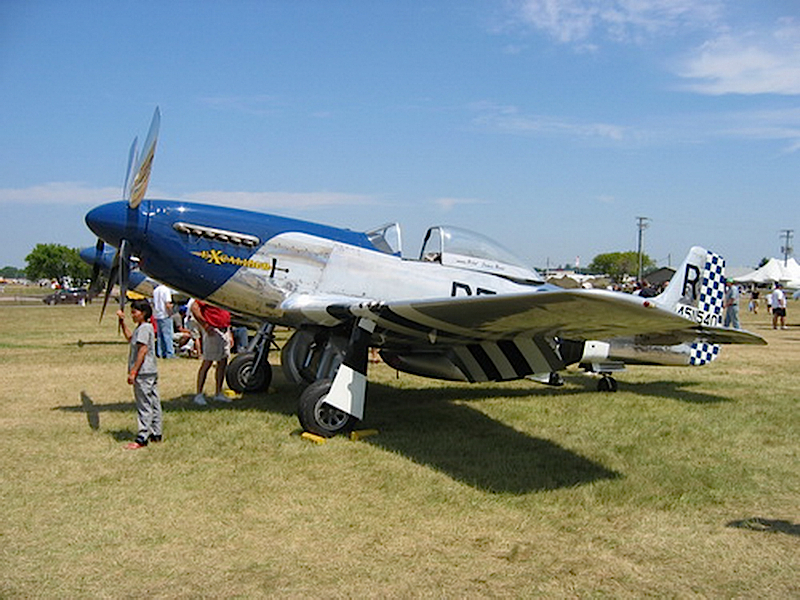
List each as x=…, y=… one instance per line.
x=135, y=446
x=221, y=398
x=200, y=400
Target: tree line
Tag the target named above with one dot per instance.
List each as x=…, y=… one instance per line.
x=51, y=261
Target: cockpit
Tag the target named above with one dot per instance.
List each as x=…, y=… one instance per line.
x=458, y=248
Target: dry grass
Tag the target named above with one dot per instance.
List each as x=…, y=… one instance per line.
x=682, y=484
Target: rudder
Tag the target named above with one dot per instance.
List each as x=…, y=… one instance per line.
x=697, y=292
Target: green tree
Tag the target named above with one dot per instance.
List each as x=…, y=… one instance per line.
x=618, y=265
x=56, y=261
x=12, y=272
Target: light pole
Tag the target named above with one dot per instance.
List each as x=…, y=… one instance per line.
x=643, y=223
x=787, y=245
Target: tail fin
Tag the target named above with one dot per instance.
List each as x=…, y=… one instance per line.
x=697, y=292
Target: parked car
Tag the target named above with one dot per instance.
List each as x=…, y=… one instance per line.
x=76, y=296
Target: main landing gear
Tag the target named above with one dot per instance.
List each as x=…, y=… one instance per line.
x=250, y=371
x=331, y=365
x=335, y=402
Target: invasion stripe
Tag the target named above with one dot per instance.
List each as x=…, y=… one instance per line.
x=515, y=357
x=505, y=369
x=485, y=362
x=468, y=365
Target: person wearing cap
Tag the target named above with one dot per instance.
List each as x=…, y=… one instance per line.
x=778, y=303
x=731, y=304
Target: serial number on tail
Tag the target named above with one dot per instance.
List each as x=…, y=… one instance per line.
x=701, y=317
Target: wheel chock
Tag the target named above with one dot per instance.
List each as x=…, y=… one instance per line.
x=312, y=437
x=361, y=434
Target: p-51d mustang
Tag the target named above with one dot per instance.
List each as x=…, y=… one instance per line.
x=466, y=310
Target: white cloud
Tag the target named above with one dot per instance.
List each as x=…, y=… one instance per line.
x=781, y=125
x=509, y=119
x=62, y=192
x=447, y=204
x=750, y=63
x=576, y=21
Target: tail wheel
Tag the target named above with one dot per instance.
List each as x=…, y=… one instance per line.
x=607, y=384
x=319, y=417
x=243, y=375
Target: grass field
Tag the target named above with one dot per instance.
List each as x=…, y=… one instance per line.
x=683, y=484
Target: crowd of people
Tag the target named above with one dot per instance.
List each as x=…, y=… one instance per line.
x=775, y=302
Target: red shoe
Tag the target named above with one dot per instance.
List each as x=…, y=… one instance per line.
x=135, y=446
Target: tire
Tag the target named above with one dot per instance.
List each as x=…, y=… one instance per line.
x=316, y=416
x=293, y=356
x=607, y=384
x=241, y=375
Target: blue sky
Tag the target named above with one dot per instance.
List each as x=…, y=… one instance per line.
x=547, y=125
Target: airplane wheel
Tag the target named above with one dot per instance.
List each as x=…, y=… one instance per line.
x=243, y=376
x=607, y=384
x=294, y=356
x=317, y=416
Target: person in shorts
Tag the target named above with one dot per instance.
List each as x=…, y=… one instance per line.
x=215, y=323
x=778, y=303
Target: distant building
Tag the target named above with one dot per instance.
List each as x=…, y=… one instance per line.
x=659, y=276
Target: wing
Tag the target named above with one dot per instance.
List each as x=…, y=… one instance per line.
x=569, y=314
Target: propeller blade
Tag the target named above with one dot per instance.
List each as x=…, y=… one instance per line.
x=124, y=272
x=112, y=276
x=94, y=286
x=133, y=158
x=145, y=162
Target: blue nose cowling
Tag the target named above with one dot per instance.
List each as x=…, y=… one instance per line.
x=116, y=221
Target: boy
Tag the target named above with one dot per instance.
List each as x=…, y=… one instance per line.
x=142, y=373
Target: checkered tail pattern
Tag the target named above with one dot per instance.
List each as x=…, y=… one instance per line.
x=711, y=300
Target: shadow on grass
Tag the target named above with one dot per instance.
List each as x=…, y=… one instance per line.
x=180, y=403
x=425, y=426
x=471, y=447
x=123, y=435
x=673, y=390
x=82, y=343
x=767, y=526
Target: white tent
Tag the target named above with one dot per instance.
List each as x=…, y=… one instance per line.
x=774, y=270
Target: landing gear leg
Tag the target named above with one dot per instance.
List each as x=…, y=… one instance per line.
x=250, y=371
x=330, y=407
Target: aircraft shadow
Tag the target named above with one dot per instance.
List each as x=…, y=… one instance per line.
x=471, y=447
x=662, y=389
x=767, y=526
x=457, y=440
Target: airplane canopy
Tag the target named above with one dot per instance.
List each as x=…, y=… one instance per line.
x=464, y=249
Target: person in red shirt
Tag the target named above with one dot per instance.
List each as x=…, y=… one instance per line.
x=215, y=323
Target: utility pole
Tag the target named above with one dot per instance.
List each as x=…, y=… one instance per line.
x=643, y=223
x=787, y=249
